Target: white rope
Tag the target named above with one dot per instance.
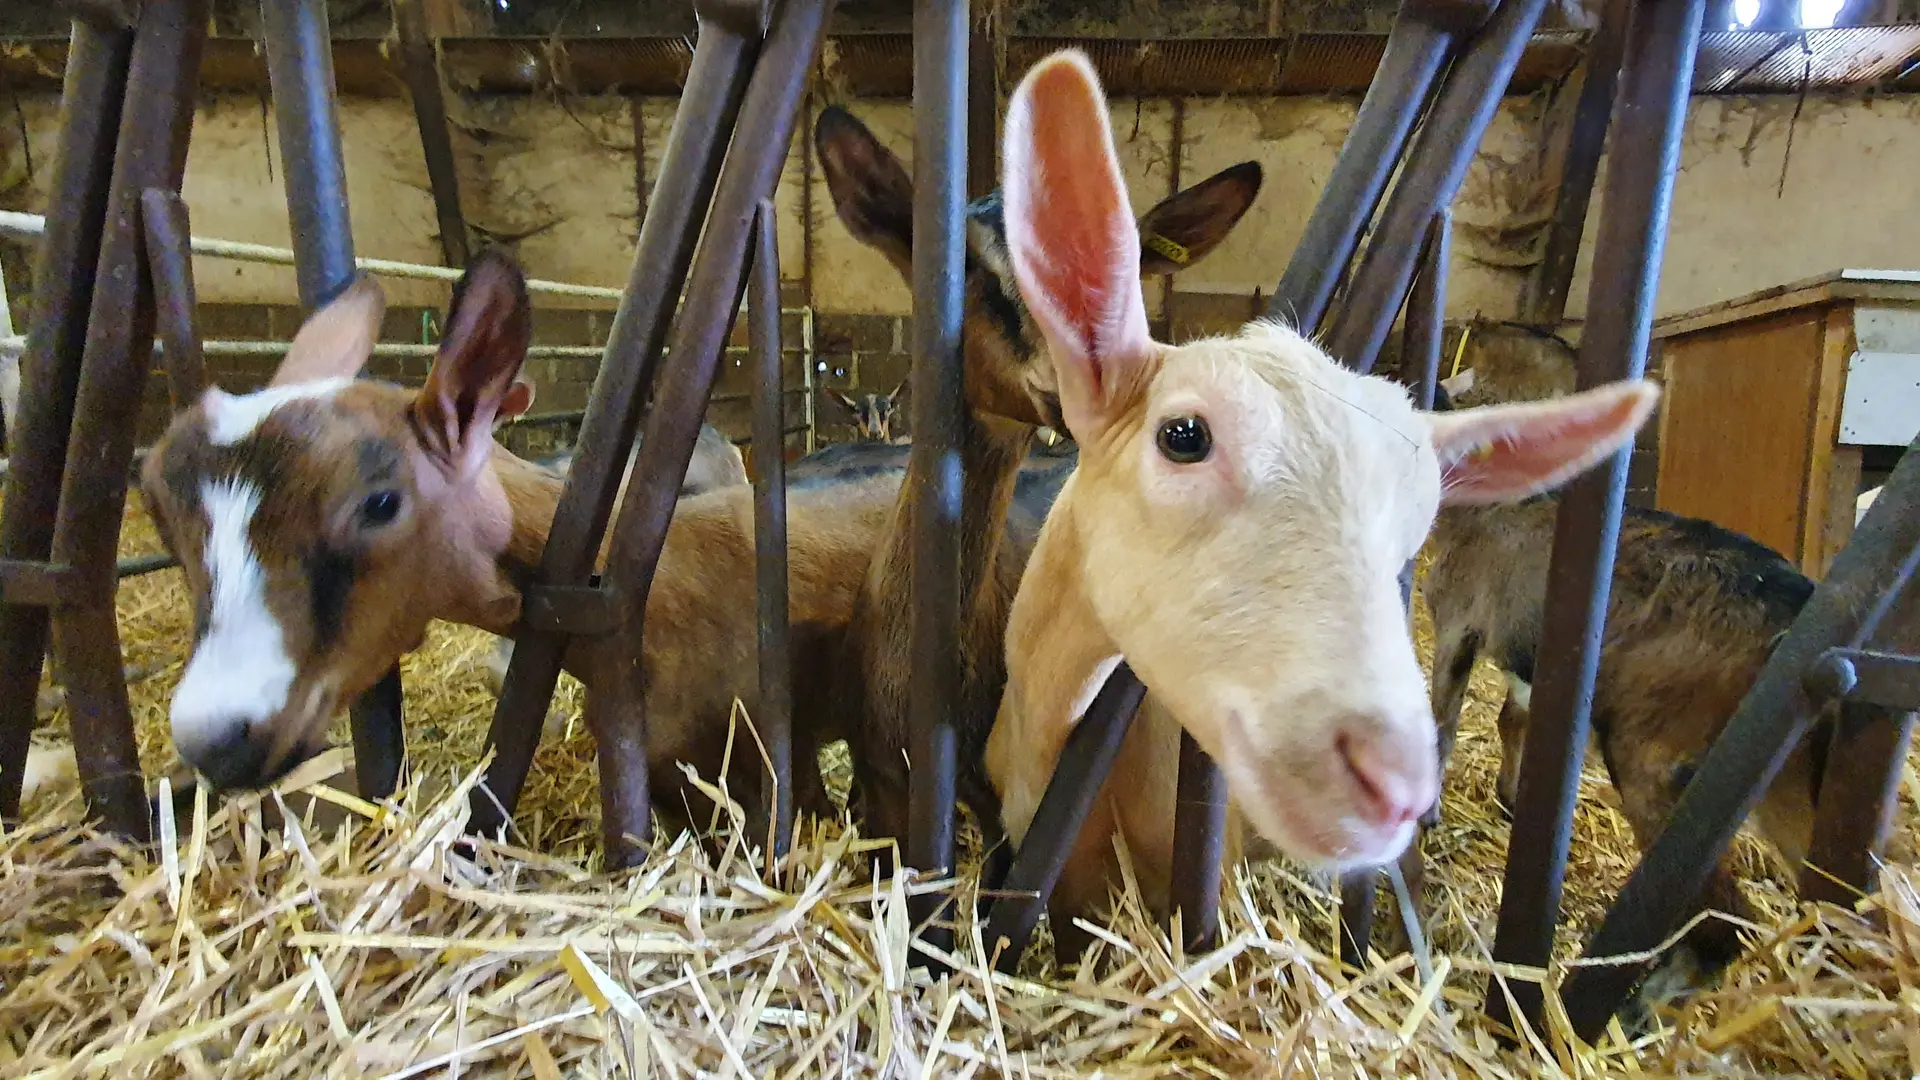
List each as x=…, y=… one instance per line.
x=32, y=226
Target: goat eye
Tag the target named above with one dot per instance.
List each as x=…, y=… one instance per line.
x=380, y=507
x=1185, y=440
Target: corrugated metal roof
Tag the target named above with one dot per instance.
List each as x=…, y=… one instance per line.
x=1723, y=58
x=1851, y=56
x=881, y=64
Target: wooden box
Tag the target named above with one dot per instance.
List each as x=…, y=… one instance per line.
x=1775, y=401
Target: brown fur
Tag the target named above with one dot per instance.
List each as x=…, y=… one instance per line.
x=1694, y=613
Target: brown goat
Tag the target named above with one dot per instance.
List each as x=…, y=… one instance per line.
x=1009, y=390
x=1695, y=611
x=716, y=463
x=875, y=416
x=323, y=522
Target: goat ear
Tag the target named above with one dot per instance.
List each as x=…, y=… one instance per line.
x=901, y=392
x=518, y=402
x=1183, y=227
x=843, y=401
x=336, y=341
x=1074, y=244
x=872, y=192
x=475, y=376
x=1503, y=453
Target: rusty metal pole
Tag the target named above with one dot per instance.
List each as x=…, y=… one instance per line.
x=1436, y=164
x=723, y=60
x=300, y=68
x=163, y=215
x=1088, y=756
x=1662, y=39
x=617, y=712
x=1425, y=328
x=420, y=69
x=151, y=153
x=1545, y=303
x=1864, y=584
x=775, y=719
x=95, y=89
x=1199, y=845
x=940, y=33
x=1416, y=50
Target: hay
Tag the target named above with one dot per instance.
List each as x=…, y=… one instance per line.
x=376, y=949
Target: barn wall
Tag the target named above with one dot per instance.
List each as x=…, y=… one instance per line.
x=560, y=179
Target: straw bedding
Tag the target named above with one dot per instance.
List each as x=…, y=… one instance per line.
x=372, y=948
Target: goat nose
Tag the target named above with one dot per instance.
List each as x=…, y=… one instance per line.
x=226, y=756
x=1396, y=774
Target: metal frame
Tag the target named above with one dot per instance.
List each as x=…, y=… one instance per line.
x=65, y=494
x=129, y=110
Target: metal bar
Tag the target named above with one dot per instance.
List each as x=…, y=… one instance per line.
x=1546, y=301
x=983, y=105
x=30, y=226
x=141, y=565
x=770, y=524
x=95, y=89
x=36, y=584
x=420, y=69
x=1663, y=37
x=1427, y=309
x=1088, y=756
x=151, y=153
x=767, y=118
x=300, y=68
x=1416, y=50
x=723, y=59
x=1437, y=162
x=1199, y=845
x=1891, y=680
x=1425, y=327
x=163, y=214
x=1858, y=796
x=940, y=34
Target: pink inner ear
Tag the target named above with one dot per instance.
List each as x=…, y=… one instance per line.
x=1083, y=222
x=1505, y=453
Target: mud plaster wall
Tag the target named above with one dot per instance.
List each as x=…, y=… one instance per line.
x=559, y=181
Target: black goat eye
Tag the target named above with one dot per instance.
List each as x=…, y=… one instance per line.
x=380, y=507
x=1185, y=440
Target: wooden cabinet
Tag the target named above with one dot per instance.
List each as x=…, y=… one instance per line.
x=1774, y=401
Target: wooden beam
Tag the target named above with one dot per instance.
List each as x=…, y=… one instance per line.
x=983, y=100
x=420, y=68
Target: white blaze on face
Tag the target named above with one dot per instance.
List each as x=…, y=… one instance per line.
x=231, y=418
x=240, y=673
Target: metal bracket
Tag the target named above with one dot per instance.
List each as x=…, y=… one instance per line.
x=38, y=584
x=747, y=18
x=1453, y=16
x=107, y=15
x=579, y=610
x=1889, y=680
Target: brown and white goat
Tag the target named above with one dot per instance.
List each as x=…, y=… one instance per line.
x=324, y=521
x=875, y=416
x=1694, y=613
x=1235, y=531
x=1009, y=391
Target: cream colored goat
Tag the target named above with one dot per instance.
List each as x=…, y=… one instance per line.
x=1235, y=530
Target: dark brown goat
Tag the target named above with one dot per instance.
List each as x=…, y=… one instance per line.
x=1695, y=611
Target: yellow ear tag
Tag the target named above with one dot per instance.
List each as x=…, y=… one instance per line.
x=1480, y=453
x=1167, y=248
